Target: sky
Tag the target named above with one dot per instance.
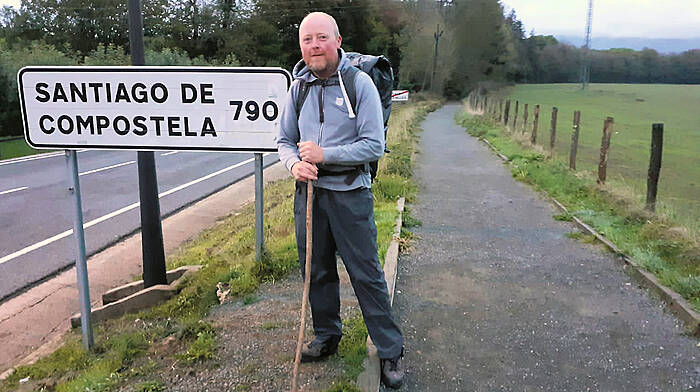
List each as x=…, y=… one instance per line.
x=611, y=18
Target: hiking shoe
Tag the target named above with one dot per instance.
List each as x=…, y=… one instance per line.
x=392, y=372
x=317, y=350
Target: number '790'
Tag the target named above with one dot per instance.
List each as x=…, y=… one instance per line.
x=269, y=110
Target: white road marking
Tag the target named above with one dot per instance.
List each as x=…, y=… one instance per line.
x=34, y=157
x=106, y=168
x=118, y=212
x=169, y=153
x=14, y=190
x=31, y=158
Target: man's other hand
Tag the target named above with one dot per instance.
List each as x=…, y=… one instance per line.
x=310, y=152
x=304, y=171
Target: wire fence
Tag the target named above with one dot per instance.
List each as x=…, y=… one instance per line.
x=543, y=130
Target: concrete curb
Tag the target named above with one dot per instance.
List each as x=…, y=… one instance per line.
x=368, y=380
x=128, y=289
x=133, y=297
x=676, y=303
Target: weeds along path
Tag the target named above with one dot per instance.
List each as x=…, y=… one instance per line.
x=495, y=296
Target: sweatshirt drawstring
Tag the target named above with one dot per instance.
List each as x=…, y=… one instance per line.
x=351, y=113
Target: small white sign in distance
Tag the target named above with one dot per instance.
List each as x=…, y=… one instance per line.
x=153, y=108
x=399, y=95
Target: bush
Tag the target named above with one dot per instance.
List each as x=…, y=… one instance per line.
x=107, y=55
x=12, y=59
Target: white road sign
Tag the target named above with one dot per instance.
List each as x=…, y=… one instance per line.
x=399, y=95
x=153, y=108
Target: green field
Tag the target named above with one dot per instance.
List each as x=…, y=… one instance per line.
x=635, y=108
x=16, y=148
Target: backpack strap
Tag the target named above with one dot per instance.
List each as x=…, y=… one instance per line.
x=302, y=93
x=349, y=75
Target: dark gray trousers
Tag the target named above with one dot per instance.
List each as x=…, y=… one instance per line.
x=344, y=221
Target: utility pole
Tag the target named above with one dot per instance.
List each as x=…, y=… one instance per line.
x=586, y=58
x=437, y=36
x=151, y=229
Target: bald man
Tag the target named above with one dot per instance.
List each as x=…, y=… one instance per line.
x=330, y=142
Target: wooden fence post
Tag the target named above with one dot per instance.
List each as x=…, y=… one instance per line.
x=604, y=147
x=500, y=110
x=553, y=131
x=657, y=146
x=515, y=117
x=525, y=118
x=486, y=104
x=506, y=113
x=535, y=121
x=574, y=140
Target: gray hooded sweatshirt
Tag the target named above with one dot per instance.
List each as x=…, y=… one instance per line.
x=348, y=139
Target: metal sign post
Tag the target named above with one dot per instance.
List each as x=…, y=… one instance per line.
x=152, y=250
x=80, y=262
x=259, y=207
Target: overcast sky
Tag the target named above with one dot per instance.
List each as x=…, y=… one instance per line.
x=611, y=18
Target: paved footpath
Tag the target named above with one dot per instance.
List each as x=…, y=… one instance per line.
x=494, y=296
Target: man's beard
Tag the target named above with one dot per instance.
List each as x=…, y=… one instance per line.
x=322, y=67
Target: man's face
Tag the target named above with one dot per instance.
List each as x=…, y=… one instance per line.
x=319, y=46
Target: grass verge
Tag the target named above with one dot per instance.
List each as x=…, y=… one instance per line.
x=227, y=254
x=17, y=148
x=657, y=243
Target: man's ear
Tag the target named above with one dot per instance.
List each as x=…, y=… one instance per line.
x=340, y=40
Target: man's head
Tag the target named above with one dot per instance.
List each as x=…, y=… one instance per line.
x=320, y=40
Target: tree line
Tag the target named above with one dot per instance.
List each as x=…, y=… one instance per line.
x=445, y=46
x=545, y=60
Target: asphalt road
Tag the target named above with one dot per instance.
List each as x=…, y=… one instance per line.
x=36, y=213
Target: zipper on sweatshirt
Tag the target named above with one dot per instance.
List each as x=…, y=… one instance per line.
x=320, y=111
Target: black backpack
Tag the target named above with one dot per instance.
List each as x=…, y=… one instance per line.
x=379, y=70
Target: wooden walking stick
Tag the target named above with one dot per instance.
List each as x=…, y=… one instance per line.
x=307, y=279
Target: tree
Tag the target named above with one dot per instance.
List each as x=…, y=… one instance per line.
x=11, y=61
x=480, y=48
